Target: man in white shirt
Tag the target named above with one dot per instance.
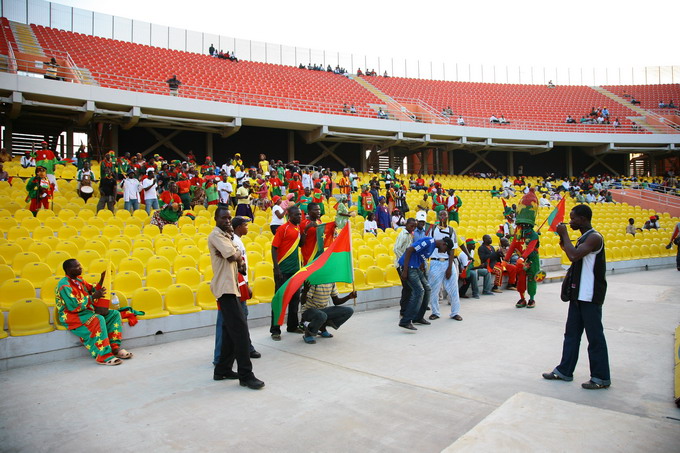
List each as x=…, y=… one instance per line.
x=544, y=202
x=224, y=189
x=444, y=270
x=493, y=119
x=307, y=180
x=461, y=121
x=402, y=242
x=150, y=192
x=278, y=214
x=131, y=189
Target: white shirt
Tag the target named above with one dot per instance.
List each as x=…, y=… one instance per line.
x=275, y=220
x=461, y=121
x=371, y=226
x=506, y=184
x=438, y=233
x=131, y=189
x=544, y=203
x=149, y=192
x=224, y=189
x=306, y=180
x=238, y=243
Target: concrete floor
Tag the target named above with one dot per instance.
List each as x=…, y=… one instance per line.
x=374, y=387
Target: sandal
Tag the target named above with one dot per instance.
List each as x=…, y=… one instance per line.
x=111, y=362
x=123, y=354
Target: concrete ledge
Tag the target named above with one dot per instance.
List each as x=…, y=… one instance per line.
x=60, y=345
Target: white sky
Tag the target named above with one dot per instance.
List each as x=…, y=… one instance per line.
x=522, y=32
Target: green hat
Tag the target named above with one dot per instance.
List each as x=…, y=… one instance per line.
x=526, y=210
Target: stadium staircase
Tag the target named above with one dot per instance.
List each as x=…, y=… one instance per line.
x=26, y=40
x=394, y=109
x=649, y=120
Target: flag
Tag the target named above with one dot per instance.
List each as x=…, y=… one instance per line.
x=333, y=265
x=316, y=241
x=557, y=216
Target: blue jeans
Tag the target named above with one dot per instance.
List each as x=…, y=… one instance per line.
x=330, y=316
x=420, y=296
x=132, y=205
x=585, y=316
x=151, y=203
x=218, y=334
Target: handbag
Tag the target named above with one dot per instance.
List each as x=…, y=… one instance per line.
x=567, y=286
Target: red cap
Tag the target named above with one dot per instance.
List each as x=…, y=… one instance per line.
x=276, y=199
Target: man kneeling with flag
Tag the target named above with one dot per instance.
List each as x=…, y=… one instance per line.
x=317, y=315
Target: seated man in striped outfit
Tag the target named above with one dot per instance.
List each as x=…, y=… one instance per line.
x=317, y=315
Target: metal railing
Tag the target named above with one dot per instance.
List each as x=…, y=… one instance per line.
x=429, y=115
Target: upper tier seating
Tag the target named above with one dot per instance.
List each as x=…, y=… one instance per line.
x=476, y=102
x=648, y=95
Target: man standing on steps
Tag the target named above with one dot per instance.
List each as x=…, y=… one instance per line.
x=587, y=287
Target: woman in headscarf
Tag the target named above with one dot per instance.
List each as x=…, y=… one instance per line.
x=170, y=214
x=383, y=215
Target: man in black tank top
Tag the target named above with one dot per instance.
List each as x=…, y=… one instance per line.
x=587, y=290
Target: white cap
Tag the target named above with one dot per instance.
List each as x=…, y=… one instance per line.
x=421, y=216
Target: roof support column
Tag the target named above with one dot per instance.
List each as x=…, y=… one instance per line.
x=291, y=146
x=7, y=135
x=570, y=162
x=209, y=151
x=510, y=163
x=69, y=142
x=114, y=138
x=451, y=169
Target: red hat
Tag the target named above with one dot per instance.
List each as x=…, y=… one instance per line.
x=652, y=218
x=276, y=199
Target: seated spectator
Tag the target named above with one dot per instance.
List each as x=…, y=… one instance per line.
x=4, y=176
x=495, y=193
x=671, y=105
x=502, y=120
x=169, y=214
x=398, y=220
x=551, y=84
x=634, y=126
x=232, y=57
x=301, y=66
x=28, y=160
x=345, y=109
x=600, y=120
x=634, y=101
x=570, y=120
x=493, y=119
x=544, y=202
x=173, y=84
x=630, y=228
x=353, y=109
x=617, y=123
x=385, y=74
x=381, y=114
x=652, y=223
x=662, y=105
x=605, y=112
x=329, y=69
x=211, y=50
x=359, y=73
x=370, y=225
x=52, y=70
x=461, y=121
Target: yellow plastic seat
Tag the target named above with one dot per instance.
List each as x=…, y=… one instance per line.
x=392, y=276
x=111, y=231
x=189, y=276
x=160, y=279
x=131, y=264
x=21, y=214
x=29, y=317
x=48, y=288
x=116, y=255
x=69, y=247
x=42, y=249
x=127, y=282
x=120, y=243
x=30, y=223
x=90, y=232
x=375, y=277
x=179, y=300
x=263, y=289
x=167, y=252
x=14, y=290
x=36, y=273
x=170, y=230
x=204, y=297
x=17, y=232
x=6, y=273
x=9, y=251
x=142, y=241
x=150, y=301
x=100, y=265
x=86, y=256
x=263, y=269
x=189, y=228
x=24, y=242
x=383, y=261
x=21, y=259
x=204, y=261
x=364, y=262
x=55, y=223
x=132, y=231
x=360, y=280
x=163, y=241
x=151, y=230
x=182, y=242
x=42, y=232
x=181, y=261
x=158, y=262
x=192, y=251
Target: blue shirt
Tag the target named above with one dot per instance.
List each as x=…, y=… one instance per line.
x=418, y=234
x=423, y=249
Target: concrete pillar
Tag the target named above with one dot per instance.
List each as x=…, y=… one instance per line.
x=510, y=164
x=652, y=165
x=69, y=143
x=390, y=155
x=291, y=146
x=7, y=136
x=209, y=151
x=570, y=162
x=437, y=163
x=626, y=163
x=451, y=170
x=114, y=139
x=362, y=157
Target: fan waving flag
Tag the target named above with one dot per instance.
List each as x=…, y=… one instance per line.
x=316, y=241
x=333, y=265
x=557, y=216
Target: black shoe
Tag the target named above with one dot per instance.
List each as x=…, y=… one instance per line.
x=590, y=385
x=422, y=321
x=554, y=377
x=276, y=336
x=255, y=355
x=297, y=330
x=433, y=317
x=229, y=375
x=252, y=383
x=408, y=326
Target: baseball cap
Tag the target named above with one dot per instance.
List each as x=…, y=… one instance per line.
x=238, y=221
x=421, y=216
x=470, y=241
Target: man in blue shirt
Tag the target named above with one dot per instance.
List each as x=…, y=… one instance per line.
x=413, y=263
x=421, y=230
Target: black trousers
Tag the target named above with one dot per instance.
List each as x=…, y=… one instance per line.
x=292, y=322
x=235, y=338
